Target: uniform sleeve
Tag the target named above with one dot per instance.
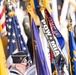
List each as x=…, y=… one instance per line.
x=26, y=26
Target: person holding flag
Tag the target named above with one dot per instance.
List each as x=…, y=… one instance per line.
x=15, y=38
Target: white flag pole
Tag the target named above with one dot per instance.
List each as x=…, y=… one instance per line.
x=55, y=13
x=64, y=11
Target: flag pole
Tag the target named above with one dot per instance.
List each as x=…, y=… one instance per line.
x=69, y=58
x=64, y=12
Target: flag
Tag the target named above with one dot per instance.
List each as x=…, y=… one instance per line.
x=15, y=38
x=3, y=66
x=2, y=23
x=72, y=46
x=43, y=4
x=2, y=16
x=41, y=64
x=36, y=4
x=20, y=16
x=10, y=33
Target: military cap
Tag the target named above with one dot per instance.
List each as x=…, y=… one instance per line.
x=20, y=57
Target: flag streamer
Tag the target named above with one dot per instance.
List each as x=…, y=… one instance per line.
x=55, y=30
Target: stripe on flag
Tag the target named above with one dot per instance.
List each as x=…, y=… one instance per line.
x=2, y=16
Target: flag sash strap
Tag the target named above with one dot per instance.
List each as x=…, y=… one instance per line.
x=52, y=43
x=49, y=38
x=55, y=30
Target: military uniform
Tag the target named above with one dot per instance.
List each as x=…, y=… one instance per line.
x=27, y=29
x=30, y=71
x=14, y=72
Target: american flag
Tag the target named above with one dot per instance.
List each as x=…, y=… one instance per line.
x=2, y=16
x=15, y=38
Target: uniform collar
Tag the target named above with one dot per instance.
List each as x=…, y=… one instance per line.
x=14, y=70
